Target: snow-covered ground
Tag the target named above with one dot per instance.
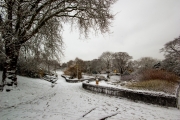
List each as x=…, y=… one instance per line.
x=35, y=99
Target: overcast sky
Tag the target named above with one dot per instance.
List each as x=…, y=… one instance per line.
x=141, y=28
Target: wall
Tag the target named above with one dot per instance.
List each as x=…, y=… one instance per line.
x=170, y=101
x=178, y=97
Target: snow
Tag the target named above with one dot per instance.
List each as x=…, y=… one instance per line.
x=35, y=99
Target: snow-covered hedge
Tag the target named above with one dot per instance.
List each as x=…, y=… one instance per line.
x=50, y=78
x=81, y=80
x=159, y=99
x=76, y=81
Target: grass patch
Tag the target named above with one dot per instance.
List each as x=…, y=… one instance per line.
x=155, y=85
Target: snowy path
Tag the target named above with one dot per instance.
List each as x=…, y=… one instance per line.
x=36, y=100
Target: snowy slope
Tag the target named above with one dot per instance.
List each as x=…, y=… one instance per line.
x=34, y=99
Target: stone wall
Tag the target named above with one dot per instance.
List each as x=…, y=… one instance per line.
x=178, y=97
x=163, y=100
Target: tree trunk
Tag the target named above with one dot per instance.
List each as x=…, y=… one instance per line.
x=120, y=71
x=9, y=71
x=9, y=78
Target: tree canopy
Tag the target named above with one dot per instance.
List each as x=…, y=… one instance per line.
x=21, y=21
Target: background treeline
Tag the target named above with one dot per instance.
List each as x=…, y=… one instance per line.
x=121, y=62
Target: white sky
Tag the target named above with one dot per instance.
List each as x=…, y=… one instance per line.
x=141, y=28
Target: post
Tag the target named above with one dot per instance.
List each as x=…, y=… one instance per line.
x=97, y=81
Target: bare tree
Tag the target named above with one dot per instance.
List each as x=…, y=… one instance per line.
x=64, y=65
x=42, y=49
x=80, y=64
x=21, y=20
x=145, y=63
x=70, y=63
x=172, y=56
x=121, y=61
x=96, y=66
x=106, y=58
x=172, y=47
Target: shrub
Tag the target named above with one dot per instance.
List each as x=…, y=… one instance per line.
x=72, y=71
x=31, y=68
x=153, y=74
x=94, y=72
